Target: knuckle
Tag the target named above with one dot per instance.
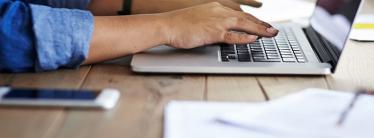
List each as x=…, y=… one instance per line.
x=230, y=21
x=222, y=36
x=215, y=3
x=228, y=37
x=240, y=21
x=216, y=9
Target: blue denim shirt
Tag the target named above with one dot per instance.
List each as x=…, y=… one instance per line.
x=41, y=35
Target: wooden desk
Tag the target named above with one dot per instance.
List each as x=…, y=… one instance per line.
x=140, y=110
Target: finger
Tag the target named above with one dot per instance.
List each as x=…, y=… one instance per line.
x=252, y=3
x=250, y=27
x=232, y=5
x=232, y=37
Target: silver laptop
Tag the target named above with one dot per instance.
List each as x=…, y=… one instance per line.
x=314, y=50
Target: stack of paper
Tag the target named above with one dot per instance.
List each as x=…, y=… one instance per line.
x=281, y=10
x=313, y=113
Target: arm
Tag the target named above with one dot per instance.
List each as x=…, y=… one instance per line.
x=40, y=38
x=117, y=36
x=103, y=7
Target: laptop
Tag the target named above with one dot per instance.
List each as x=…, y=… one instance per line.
x=313, y=50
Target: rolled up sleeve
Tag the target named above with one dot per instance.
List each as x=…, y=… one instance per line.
x=62, y=37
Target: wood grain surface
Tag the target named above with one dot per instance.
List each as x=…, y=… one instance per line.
x=139, y=113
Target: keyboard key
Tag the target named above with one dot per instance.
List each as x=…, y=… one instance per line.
x=287, y=56
x=242, y=51
x=289, y=59
x=297, y=52
x=231, y=56
x=286, y=52
x=301, y=60
x=268, y=43
x=274, y=57
x=241, y=47
x=225, y=59
x=255, y=47
x=272, y=52
x=296, y=49
x=243, y=56
x=284, y=48
x=270, y=48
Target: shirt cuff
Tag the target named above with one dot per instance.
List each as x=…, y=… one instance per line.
x=71, y=4
x=62, y=37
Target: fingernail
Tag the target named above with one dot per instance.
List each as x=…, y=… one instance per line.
x=259, y=4
x=272, y=30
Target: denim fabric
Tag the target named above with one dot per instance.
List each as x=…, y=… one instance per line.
x=62, y=35
x=40, y=38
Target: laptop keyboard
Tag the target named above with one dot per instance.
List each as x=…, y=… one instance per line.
x=282, y=48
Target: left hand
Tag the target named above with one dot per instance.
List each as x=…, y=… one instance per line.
x=157, y=6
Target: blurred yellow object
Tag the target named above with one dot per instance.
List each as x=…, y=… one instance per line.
x=364, y=26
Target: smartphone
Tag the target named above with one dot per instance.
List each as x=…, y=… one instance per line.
x=104, y=99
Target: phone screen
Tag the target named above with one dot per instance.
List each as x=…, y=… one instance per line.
x=45, y=94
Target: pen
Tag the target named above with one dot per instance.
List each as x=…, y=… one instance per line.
x=248, y=127
x=347, y=110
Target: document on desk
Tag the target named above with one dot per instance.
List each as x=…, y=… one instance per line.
x=281, y=10
x=363, y=29
x=312, y=113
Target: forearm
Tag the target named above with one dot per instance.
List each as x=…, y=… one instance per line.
x=111, y=7
x=105, y=8
x=117, y=36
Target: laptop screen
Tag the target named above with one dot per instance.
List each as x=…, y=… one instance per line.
x=332, y=20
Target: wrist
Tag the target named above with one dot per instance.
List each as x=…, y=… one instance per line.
x=150, y=30
x=164, y=28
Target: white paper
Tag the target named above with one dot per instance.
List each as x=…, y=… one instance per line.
x=363, y=34
x=312, y=113
x=281, y=10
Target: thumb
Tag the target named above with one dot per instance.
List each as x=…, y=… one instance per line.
x=252, y=3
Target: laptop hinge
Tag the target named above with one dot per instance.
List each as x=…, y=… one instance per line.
x=320, y=47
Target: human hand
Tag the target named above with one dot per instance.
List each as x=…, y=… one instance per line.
x=213, y=23
x=157, y=6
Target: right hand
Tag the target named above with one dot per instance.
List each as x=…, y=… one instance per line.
x=213, y=23
x=159, y=6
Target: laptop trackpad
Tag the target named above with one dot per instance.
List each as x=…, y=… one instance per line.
x=167, y=54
